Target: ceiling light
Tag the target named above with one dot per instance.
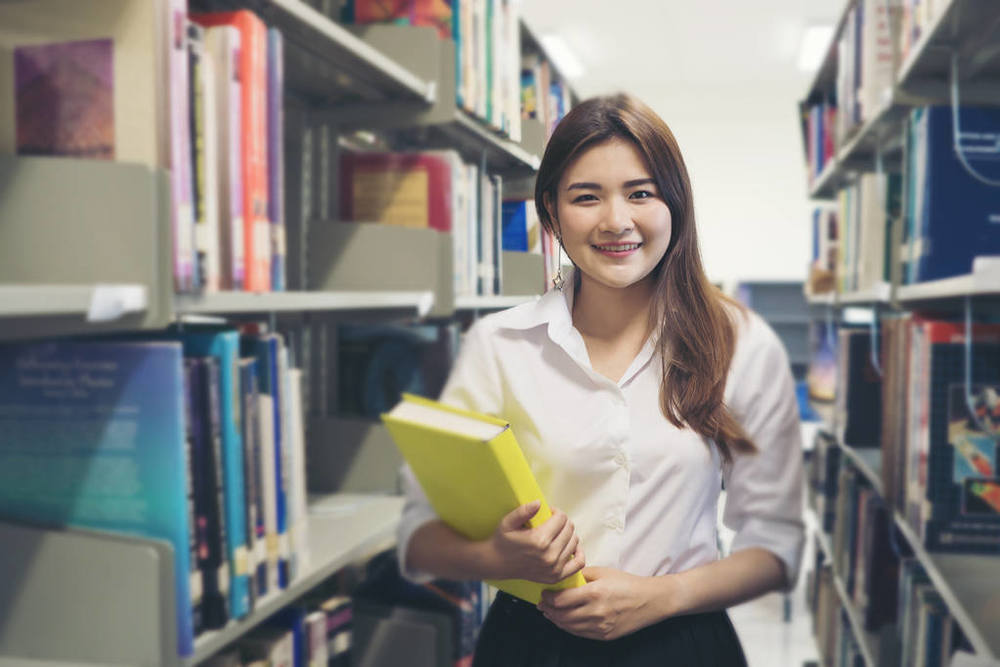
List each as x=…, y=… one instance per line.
x=814, y=46
x=562, y=56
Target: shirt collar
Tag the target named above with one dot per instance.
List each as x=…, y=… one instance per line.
x=555, y=309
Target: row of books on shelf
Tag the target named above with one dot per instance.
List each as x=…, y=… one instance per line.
x=948, y=219
x=835, y=640
x=197, y=94
x=937, y=430
x=901, y=613
x=438, y=190
x=193, y=437
x=316, y=631
x=918, y=17
x=495, y=80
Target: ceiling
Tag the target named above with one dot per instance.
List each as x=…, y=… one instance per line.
x=648, y=47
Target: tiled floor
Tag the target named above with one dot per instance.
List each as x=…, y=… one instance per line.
x=767, y=639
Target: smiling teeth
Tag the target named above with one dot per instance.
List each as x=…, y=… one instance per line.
x=620, y=248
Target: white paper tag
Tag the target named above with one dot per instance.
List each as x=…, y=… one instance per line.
x=109, y=302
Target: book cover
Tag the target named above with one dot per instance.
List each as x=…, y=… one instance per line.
x=406, y=189
x=223, y=45
x=64, y=99
x=223, y=347
x=434, y=13
x=93, y=435
x=253, y=121
x=276, y=155
x=473, y=472
x=957, y=216
x=339, y=612
x=299, y=526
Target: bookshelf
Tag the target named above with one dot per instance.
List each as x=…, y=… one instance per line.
x=110, y=271
x=964, y=31
x=282, y=302
x=92, y=302
x=343, y=529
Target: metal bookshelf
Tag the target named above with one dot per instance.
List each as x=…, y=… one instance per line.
x=970, y=587
x=984, y=283
x=491, y=302
x=343, y=528
x=826, y=184
x=327, y=63
x=868, y=461
x=94, y=303
x=281, y=302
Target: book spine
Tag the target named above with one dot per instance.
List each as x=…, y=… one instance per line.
x=275, y=156
x=185, y=276
x=217, y=613
x=282, y=455
x=196, y=578
x=196, y=127
x=248, y=408
x=268, y=488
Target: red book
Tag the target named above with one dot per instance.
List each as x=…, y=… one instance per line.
x=253, y=107
x=406, y=189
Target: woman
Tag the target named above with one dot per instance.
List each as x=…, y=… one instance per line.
x=636, y=390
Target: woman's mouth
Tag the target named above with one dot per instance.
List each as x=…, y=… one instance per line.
x=617, y=249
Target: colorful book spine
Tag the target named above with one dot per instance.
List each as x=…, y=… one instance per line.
x=224, y=348
x=185, y=276
x=254, y=489
x=276, y=155
x=253, y=76
x=93, y=435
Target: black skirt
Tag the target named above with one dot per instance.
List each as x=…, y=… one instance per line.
x=516, y=634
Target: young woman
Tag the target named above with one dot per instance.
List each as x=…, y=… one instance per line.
x=635, y=390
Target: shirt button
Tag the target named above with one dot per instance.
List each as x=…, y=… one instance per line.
x=620, y=459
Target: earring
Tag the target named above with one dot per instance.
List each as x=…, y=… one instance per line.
x=558, y=281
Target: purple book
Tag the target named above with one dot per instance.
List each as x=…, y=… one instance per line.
x=275, y=156
x=64, y=99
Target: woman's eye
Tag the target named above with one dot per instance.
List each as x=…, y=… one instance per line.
x=641, y=194
x=584, y=198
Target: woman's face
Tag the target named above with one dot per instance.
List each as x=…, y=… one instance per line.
x=614, y=223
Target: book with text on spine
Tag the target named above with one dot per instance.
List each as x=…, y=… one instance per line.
x=473, y=472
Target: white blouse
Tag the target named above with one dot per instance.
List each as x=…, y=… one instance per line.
x=641, y=493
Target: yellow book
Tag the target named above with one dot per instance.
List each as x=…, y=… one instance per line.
x=473, y=472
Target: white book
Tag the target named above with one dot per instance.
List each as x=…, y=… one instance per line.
x=269, y=546
x=284, y=538
x=205, y=150
x=222, y=43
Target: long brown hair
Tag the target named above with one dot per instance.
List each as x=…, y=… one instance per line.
x=697, y=334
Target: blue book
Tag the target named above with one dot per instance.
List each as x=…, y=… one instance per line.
x=224, y=346
x=275, y=157
x=515, y=225
x=265, y=348
x=93, y=435
x=955, y=216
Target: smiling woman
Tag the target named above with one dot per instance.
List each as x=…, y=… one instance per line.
x=635, y=390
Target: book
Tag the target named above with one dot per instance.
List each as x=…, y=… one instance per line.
x=63, y=97
x=204, y=159
x=250, y=429
x=209, y=505
x=223, y=45
x=223, y=346
x=92, y=434
x=276, y=155
x=473, y=472
x=253, y=121
x=406, y=189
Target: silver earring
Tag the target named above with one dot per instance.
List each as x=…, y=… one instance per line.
x=558, y=281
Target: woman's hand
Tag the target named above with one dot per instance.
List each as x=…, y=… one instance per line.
x=612, y=604
x=547, y=553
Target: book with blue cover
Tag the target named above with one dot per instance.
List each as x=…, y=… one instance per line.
x=265, y=347
x=952, y=217
x=224, y=347
x=92, y=434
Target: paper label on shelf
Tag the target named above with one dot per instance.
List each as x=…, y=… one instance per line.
x=986, y=273
x=272, y=546
x=260, y=552
x=241, y=561
x=109, y=302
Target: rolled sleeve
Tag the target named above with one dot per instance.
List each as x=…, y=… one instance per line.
x=764, y=489
x=473, y=384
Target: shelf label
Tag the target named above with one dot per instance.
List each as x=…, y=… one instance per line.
x=109, y=302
